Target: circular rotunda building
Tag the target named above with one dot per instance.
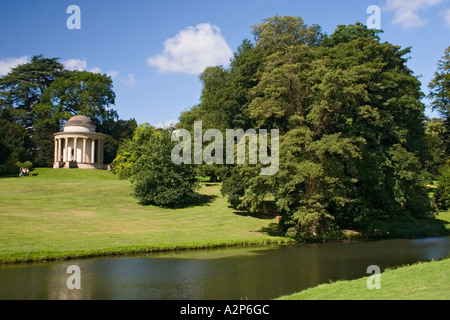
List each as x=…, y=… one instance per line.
x=78, y=145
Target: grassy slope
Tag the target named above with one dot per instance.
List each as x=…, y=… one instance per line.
x=422, y=281
x=74, y=213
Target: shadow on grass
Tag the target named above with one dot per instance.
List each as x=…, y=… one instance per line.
x=273, y=230
x=268, y=212
x=212, y=184
x=13, y=176
x=197, y=200
x=437, y=226
x=408, y=227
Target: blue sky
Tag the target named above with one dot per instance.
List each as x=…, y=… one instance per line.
x=154, y=50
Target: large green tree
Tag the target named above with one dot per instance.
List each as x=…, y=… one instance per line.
x=15, y=143
x=349, y=111
x=23, y=86
x=80, y=92
x=439, y=130
x=436, y=135
x=20, y=93
x=440, y=92
x=360, y=132
x=440, y=85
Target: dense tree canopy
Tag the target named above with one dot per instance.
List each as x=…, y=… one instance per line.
x=436, y=135
x=438, y=130
x=80, y=92
x=440, y=92
x=23, y=86
x=440, y=85
x=353, y=145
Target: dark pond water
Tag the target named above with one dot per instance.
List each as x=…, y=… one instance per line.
x=231, y=274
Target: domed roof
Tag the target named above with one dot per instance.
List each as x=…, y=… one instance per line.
x=79, y=121
x=79, y=124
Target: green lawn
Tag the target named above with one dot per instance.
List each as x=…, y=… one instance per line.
x=77, y=213
x=422, y=281
x=64, y=213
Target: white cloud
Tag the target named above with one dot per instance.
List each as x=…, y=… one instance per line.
x=95, y=70
x=192, y=50
x=406, y=11
x=446, y=14
x=81, y=65
x=166, y=124
x=75, y=64
x=129, y=80
x=6, y=64
x=112, y=73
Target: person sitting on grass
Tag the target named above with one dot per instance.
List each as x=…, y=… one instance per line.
x=24, y=172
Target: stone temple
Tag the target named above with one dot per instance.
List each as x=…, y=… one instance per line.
x=79, y=146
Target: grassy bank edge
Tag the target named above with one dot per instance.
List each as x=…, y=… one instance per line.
x=410, y=282
x=134, y=250
x=346, y=235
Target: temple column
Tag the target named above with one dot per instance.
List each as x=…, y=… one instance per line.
x=66, y=148
x=59, y=149
x=83, y=154
x=55, y=156
x=74, y=149
x=93, y=151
